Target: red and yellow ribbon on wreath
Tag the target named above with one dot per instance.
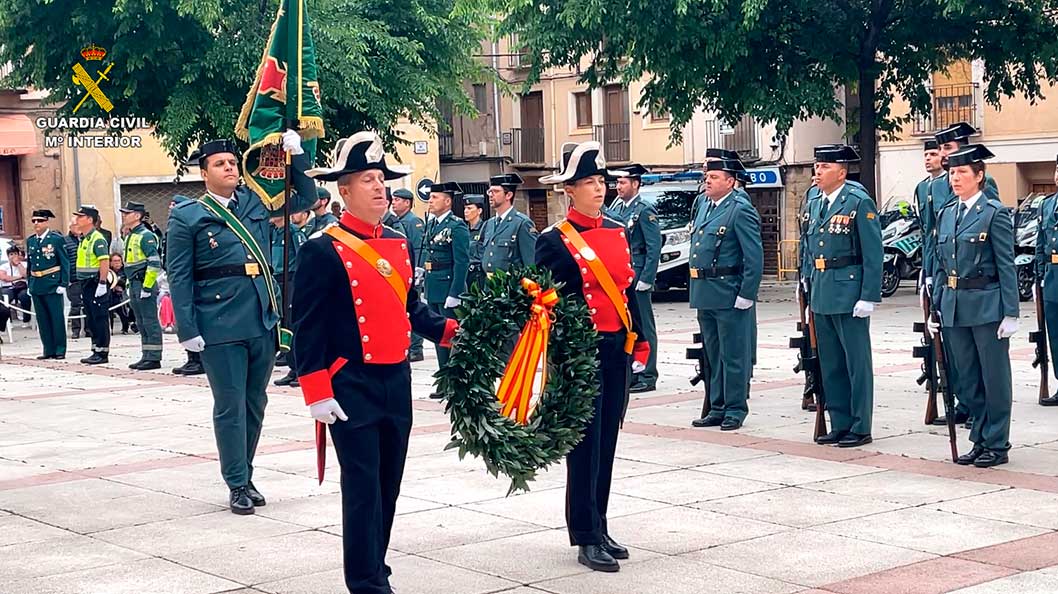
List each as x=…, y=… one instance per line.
x=516, y=386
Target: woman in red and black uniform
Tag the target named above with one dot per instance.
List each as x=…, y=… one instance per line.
x=354, y=311
x=589, y=253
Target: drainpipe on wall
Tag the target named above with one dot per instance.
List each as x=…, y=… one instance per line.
x=76, y=177
x=496, y=99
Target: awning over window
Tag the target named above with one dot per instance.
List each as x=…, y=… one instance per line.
x=17, y=135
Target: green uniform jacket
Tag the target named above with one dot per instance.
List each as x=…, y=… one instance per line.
x=225, y=309
x=508, y=243
x=143, y=261
x=297, y=239
x=318, y=223
x=927, y=220
x=982, y=245
x=1047, y=248
x=644, y=235
x=413, y=228
x=446, y=258
x=848, y=228
x=44, y=254
x=475, y=242
x=807, y=206
x=738, y=224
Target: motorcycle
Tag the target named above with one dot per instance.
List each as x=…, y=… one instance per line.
x=902, y=247
x=1026, y=229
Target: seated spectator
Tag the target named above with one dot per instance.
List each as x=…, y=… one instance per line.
x=13, y=282
x=118, y=287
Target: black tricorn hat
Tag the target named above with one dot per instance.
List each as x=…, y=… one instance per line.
x=508, y=181
x=836, y=153
x=42, y=213
x=580, y=161
x=212, y=147
x=134, y=207
x=635, y=170
x=960, y=132
x=451, y=188
x=360, y=152
x=971, y=153
x=930, y=144
x=719, y=153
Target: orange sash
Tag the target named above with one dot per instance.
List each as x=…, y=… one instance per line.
x=605, y=280
x=372, y=257
x=516, y=386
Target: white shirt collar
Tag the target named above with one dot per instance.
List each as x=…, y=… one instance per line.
x=717, y=203
x=834, y=196
x=438, y=219
x=223, y=201
x=969, y=202
x=629, y=202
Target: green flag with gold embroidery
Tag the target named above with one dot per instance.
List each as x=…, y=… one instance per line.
x=285, y=93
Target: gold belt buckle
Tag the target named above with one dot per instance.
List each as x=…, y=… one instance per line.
x=1054, y=258
x=489, y=274
x=694, y=273
x=821, y=263
x=253, y=269
x=953, y=282
x=428, y=266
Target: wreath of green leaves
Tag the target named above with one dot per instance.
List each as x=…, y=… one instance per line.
x=490, y=318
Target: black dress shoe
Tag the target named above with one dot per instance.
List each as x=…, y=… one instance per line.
x=969, y=457
x=611, y=546
x=730, y=424
x=190, y=368
x=287, y=380
x=138, y=365
x=960, y=418
x=281, y=360
x=96, y=359
x=415, y=357
x=58, y=357
x=435, y=396
x=75, y=335
x=240, y=502
x=595, y=557
x=831, y=438
x=991, y=458
x=640, y=387
x=255, y=495
x=1050, y=400
x=43, y=357
x=708, y=421
x=853, y=440
x=148, y=365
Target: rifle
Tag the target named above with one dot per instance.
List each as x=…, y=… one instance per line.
x=1039, y=338
x=821, y=398
x=929, y=361
x=942, y=377
x=701, y=369
x=805, y=363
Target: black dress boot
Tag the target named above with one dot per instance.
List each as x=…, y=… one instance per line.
x=240, y=502
x=595, y=557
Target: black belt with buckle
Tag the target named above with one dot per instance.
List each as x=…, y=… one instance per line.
x=973, y=282
x=431, y=267
x=248, y=269
x=715, y=272
x=839, y=262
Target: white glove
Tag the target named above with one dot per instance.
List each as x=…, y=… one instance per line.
x=1007, y=328
x=743, y=303
x=642, y=286
x=928, y=281
x=420, y=273
x=932, y=328
x=862, y=309
x=101, y=290
x=452, y=302
x=327, y=411
x=145, y=294
x=927, y=284
x=60, y=291
x=638, y=367
x=292, y=142
x=195, y=345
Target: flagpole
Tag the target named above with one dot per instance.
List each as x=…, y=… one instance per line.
x=289, y=123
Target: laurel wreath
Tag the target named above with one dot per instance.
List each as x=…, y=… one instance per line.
x=490, y=317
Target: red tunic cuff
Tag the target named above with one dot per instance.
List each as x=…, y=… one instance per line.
x=641, y=352
x=450, y=332
x=316, y=386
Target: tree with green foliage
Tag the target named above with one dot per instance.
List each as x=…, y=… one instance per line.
x=186, y=65
x=782, y=60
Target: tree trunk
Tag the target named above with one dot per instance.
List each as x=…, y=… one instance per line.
x=868, y=132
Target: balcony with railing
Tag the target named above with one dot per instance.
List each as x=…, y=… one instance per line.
x=615, y=140
x=445, y=144
x=527, y=145
x=743, y=137
x=951, y=104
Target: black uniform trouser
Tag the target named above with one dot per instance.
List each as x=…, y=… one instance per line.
x=290, y=315
x=371, y=446
x=238, y=374
x=97, y=315
x=589, y=466
x=73, y=293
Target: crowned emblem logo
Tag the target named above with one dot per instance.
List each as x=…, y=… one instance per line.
x=271, y=164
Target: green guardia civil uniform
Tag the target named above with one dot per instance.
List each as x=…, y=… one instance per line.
x=844, y=252
x=48, y=267
x=476, y=275
x=143, y=263
x=446, y=258
x=507, y=241
x=644, y=237
x=976, y=287
x=1047, y=269
x=726, y=262
x=318, y=223
x=223, y=291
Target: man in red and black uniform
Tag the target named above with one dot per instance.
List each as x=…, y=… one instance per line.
x=589, y=253
x=354, y=312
